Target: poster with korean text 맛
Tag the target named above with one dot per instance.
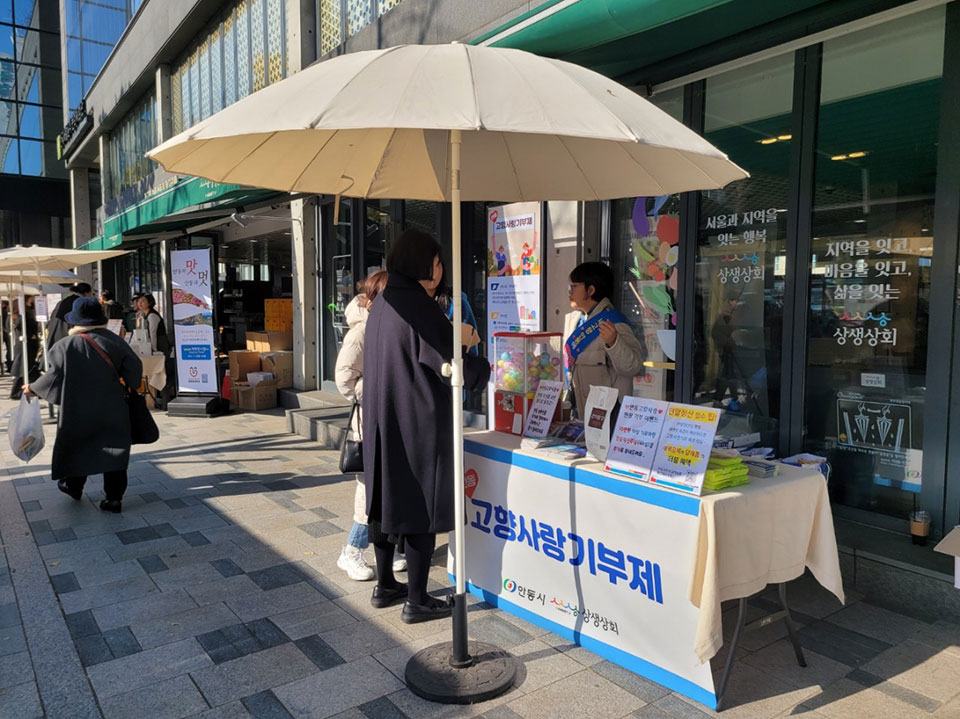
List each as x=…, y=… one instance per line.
x=636, y=437
x=545, y=542
x=193, y=321
x=684, y=449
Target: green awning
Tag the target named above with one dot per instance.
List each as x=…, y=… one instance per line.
x=165, y=205
x=629, y=39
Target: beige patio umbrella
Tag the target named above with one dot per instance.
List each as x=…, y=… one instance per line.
x=449, y=123
x=51, y=284
x=53, y=264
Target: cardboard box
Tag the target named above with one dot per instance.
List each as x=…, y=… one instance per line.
x=281, y=364
x=269, y=341
x=255, y=378
x=951, y=545
x=242, y=362
x=263, y=396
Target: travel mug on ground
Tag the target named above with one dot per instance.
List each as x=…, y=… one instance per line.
x=920, y=526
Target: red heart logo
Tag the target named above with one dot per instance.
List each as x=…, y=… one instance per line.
x=470, y=481
x=493, y=216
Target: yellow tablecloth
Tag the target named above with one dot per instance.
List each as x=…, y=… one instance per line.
x=763, y=533
x=155, y=371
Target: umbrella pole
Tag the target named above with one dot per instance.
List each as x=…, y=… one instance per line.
x=461, y=657
x=43, y=336
x=24, y=366
x=490, y=671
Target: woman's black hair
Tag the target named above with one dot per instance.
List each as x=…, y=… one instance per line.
x=597, y=275
x=151, y=300
x=412, y=255
x=80, y=288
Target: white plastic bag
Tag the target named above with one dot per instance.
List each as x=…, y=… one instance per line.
x=25, y=429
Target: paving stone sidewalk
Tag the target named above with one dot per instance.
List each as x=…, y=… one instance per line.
x=216, y=594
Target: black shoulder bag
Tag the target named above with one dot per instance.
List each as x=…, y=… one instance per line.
x=143, y=430
x=351, y=451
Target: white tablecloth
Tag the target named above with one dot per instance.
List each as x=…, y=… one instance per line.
x=155, y=371
x=763, y=533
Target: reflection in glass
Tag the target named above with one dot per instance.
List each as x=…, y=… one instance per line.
x=741, y=264
x=339, y=282
x=9, y=155
x=871, y=258
x=30, y=122
x=25, y=12
x=31, y=157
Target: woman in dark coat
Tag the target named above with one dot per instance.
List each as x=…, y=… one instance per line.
x=408, y=421
x=93, y=434
x=33, y=347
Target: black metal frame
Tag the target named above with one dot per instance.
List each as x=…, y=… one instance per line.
x=941, y=446
x=806, y=109
x=694, y=96
x=781, y=614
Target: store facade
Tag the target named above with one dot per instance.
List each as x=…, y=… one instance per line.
x=815, y=301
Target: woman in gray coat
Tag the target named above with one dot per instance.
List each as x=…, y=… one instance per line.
x=93, y=434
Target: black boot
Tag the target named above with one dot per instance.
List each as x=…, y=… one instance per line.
x=65, y=488
x=110, y=505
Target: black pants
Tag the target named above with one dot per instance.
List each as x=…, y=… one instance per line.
x=419, y=552
x=114, y=484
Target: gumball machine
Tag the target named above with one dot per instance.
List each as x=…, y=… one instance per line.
x=521, y=361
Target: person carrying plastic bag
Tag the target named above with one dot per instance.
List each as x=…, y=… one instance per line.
x=25, y=429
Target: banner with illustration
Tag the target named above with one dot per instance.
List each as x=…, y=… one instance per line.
x=513, y=271
x=193, y=321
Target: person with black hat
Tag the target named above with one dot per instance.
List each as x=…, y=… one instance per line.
x=93, y=432
x=58, y=326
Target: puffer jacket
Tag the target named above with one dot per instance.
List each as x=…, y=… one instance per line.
x=348, y=374
x=604, y=366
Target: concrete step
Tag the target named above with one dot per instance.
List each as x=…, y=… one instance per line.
x=310, y=399
x=326, y=426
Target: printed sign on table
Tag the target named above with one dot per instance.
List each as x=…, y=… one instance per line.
x=685, y=443
x=193, y=321
x=596, y=424
x=40, y=308
x=623, y=595
x=633, y=447
x=542, y=410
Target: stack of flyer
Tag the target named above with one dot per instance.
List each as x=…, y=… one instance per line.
x=565, y=441
x=725, y=469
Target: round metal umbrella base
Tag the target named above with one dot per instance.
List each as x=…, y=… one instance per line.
x=430, y=674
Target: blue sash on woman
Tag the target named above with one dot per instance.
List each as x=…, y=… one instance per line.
x=586, y=333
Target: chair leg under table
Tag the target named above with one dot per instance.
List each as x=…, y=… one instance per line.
x=783, y=613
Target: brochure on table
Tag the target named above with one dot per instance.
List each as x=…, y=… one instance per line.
x=543, y=408
x=663, y=443
x=597, y=413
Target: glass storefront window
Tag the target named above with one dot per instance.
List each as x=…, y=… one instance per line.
x=240, y=53
x=741, y=246
x=339, y=279
x=876, y=170
x=645, y=234
x=378, y=233
x=129, y=142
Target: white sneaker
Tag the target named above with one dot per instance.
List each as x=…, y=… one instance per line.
x=399, y=563
x=351, y=561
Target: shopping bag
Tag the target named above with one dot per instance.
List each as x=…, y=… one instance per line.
x=25, y=429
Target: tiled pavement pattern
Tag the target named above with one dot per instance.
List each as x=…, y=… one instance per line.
x=216, y=594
